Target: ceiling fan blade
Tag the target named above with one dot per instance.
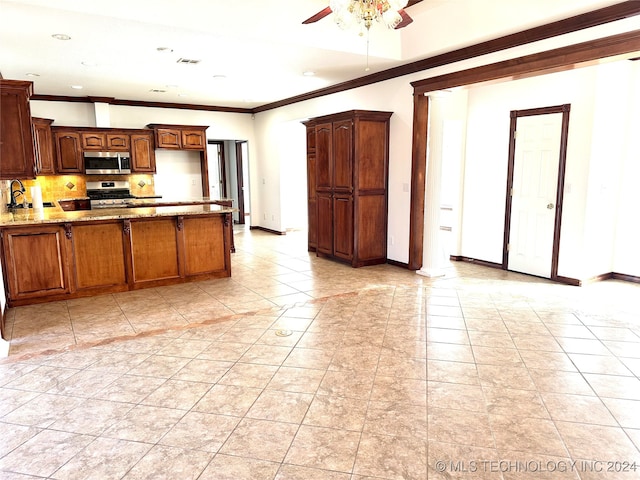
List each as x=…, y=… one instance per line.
x=406, y=19
x=318, y=16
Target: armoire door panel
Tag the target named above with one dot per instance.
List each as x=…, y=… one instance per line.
x=324, y=164
x=343, y=226
x=325, y=223
x=371, y=223
x=343, y=156
x=372, y=164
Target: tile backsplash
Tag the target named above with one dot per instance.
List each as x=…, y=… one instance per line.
x=59, y=187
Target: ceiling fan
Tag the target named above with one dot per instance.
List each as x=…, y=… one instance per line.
x=367, y=11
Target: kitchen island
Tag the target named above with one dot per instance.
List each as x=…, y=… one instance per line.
x=51, y=254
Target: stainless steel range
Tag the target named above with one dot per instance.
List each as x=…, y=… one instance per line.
x=109, y=194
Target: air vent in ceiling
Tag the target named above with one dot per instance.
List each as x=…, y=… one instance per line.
x=188, y=61
x=157, y=90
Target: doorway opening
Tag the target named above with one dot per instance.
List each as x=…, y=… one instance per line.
x=535, y=190
x=229, y=175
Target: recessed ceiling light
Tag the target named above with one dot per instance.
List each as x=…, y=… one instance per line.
x=77, y=87
x=61, y=36
x=33, y=74
x=219, y=77
x=308, y=73
x=164, y=49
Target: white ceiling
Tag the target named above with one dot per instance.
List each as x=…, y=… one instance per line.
x=259, y=47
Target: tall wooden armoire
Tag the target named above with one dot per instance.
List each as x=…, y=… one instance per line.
x=347, y=176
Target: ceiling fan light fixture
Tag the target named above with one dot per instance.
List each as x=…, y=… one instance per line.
x=365, y=12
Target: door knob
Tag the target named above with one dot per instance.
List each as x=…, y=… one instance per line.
x=550, y=206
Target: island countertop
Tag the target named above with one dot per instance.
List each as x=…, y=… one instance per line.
x=141, y=209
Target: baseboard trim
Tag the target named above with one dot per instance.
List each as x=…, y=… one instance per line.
x=398, y=264
x=268, y=230
x=625, y=277
x=484, y=263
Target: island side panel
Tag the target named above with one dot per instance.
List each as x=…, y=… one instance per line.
x=98, y=253
x=204, y=245
x=154, y=247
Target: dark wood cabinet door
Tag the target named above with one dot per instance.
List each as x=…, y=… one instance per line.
x=168, y=138
x=118, y=141
x=343, y=226
x=17, y=152
x=154, y=250
x=45, y=160
x=68, y=152
x=204, y=250
x=324, y=154
x=343, y=156
x=311, y=200
x=104, y=267
x=37, y=257
x=143, y=156
x=372, y=147
x=311, y=139
x=94, y=141
x=324, y=210
x=193, y=140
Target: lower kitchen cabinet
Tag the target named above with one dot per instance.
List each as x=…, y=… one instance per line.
x=154, y=248
x=37, y=260
x=98, y=252
x=60, y=261
x=204, y=240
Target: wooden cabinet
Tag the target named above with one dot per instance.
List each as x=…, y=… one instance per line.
x=180, y=137
x=53, y=262
x=17, y=151
x=104, y=267
x=143, y=156
x=118, y=142
x=347, y=166
x=94, y=140
x=68, y=150
x=38, y=261
x=45, y=158
x=154, y=247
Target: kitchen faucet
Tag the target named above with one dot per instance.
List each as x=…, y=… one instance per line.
x=12, y=193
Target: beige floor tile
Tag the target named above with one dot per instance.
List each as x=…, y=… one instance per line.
x=532, y=435
x=324, y=448
x=170, y=462
x=385, y=456
x=200, y=431
x=260, y=439
x=379, y=366
x=226, y=467
x=342, y=413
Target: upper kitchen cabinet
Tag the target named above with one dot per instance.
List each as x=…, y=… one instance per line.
x=180, y=137
x=105, y=141
x=68, y=149
x=143, y=156
x=45, y=159
x=17, y=151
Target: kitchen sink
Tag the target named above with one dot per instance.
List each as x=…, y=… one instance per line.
x=30, y=205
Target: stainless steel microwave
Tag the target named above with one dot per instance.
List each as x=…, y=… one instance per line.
x=107, y=163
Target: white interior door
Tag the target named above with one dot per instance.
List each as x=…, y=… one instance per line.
x=535, y=181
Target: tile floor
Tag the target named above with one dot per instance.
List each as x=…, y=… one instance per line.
x=384, y=375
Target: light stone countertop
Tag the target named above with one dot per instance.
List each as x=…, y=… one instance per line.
x=53, y=215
